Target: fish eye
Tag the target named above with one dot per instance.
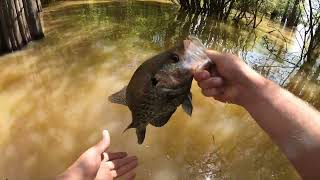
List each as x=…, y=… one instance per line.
x=154, y=81
x=175, y=58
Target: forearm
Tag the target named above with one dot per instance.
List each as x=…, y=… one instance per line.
x=290, y=122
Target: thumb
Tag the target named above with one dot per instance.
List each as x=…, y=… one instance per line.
x=104, y=142
x=214, y=56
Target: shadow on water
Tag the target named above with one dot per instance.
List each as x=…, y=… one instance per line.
x=53, y=96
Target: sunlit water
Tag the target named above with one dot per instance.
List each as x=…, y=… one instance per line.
x=53, y=95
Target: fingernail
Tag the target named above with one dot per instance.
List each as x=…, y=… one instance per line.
x=105, y=133
x=135, y=157
x=203, y=75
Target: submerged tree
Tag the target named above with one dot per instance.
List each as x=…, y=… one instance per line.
x=212, y=33
x=293, y=17
x=251, y=12
x=304, y=83
x=20, y=23
x=221, y=9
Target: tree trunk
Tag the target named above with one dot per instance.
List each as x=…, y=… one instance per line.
x=14, y=23
x=226, y=15
x=19, y=23
x=183, y=4
x=205, y=5
x=23, y=21
x=39, y=7
x=193, y=5
x=198, y=6
x=9, y=25
x=293, y=16
x=285, y=13
x=34, y=19
x=4, y=30
x=187, y=3
x=314, y=46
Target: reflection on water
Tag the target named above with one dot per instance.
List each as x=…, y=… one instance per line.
x=53, y=96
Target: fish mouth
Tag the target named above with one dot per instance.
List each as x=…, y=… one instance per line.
x=174, y=91
x=195, y=57
x=203, y=66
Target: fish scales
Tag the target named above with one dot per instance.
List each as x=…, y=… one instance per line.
x=161, y=84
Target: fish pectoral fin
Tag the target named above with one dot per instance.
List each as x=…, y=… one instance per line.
x=162, y=120
x=119, y=97
x=187, y=104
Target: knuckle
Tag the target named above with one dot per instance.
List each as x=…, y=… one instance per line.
x=202, y=85
x=229, y=54
x=196, y=77
x=111, y=165
x=114, y=173
x=205, y=93
x=217, y=80
x=211, y=80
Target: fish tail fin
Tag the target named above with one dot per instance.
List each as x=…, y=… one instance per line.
x=141, y=133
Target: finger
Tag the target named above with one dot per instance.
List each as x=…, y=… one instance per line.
x=214, y=56
x=220, y=97
x=130, y=176
x=114, y=155
x=213, y=71
x=212, y=82
x=124, y=169
x=116, y=164
x=211, y=92
x=201, y=75
x=104, y=143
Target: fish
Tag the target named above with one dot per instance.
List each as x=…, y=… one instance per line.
x=161, y=84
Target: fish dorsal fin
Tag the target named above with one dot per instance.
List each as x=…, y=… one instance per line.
x=187, y=104
x=119, y=97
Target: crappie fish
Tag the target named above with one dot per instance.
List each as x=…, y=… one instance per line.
x=161, y=84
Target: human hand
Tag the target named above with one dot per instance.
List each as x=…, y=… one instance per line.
x=97, y=164
x=229, y=79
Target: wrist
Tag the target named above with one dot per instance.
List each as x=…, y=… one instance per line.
x=69, y=174
x=256, y=90
x=64, y=176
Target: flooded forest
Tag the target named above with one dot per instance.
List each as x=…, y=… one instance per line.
x=61, y=59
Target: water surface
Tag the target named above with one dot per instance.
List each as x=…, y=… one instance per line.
x=53, y=94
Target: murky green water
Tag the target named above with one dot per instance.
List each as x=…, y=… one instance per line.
x=53, y=95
